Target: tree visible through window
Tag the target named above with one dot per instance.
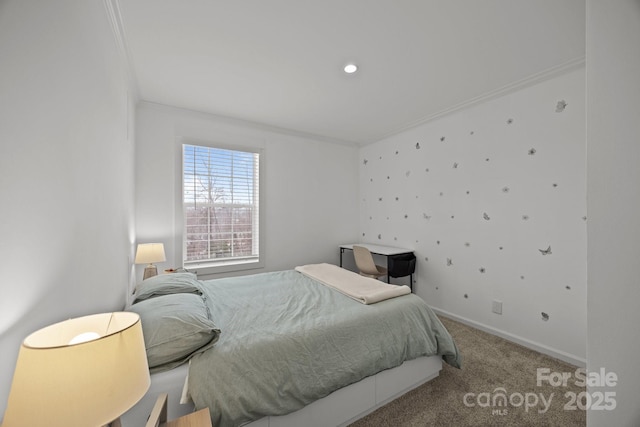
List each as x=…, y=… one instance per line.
x=221, y=206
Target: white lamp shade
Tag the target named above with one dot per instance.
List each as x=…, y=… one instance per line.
x=86, y=384
x=148, y=253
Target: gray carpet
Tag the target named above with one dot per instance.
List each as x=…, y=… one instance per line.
x=489, y=363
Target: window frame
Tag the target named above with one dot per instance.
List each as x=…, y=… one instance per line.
x=210, y=267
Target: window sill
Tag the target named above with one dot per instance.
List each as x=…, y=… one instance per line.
x=210, y=268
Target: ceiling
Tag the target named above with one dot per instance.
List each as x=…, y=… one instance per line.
x=280, y=63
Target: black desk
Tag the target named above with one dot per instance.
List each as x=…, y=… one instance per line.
x=388, y=251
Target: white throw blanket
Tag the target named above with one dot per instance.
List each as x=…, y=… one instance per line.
x=360, y=288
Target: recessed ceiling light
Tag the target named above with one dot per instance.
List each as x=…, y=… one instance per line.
x=350, y=68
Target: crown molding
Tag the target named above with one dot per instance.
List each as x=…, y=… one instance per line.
x=502, y=91
x=243, y=123
x=112, y=8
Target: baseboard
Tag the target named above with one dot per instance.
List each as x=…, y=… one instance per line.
x=540, y=348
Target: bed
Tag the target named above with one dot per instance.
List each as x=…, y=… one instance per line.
x=285, y=348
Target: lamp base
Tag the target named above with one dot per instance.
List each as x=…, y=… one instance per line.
x=150, y=271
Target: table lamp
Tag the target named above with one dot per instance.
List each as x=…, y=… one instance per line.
x=81, y=372
x=148, y=253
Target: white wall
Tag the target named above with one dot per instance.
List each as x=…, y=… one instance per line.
x=66, y=169
x=613, y=150
x=520, y=162
x=310, y=186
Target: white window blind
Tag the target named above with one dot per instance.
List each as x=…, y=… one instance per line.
x=221, y=206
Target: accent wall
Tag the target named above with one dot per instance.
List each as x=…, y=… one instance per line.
x=492, y=199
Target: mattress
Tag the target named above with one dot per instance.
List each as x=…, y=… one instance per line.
x=287, y=340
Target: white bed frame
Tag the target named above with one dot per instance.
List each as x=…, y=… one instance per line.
x=340, y=408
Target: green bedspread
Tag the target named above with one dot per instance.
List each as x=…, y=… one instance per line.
x=288, y=340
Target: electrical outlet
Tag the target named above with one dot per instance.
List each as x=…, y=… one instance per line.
x=497, y=307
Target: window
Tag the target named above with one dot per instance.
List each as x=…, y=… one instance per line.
x=221, y=208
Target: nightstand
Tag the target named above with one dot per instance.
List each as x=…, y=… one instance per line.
x=158, y=417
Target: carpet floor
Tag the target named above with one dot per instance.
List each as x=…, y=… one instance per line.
x=497, y=386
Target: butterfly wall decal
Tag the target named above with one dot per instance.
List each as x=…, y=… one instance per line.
x=560, y=106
